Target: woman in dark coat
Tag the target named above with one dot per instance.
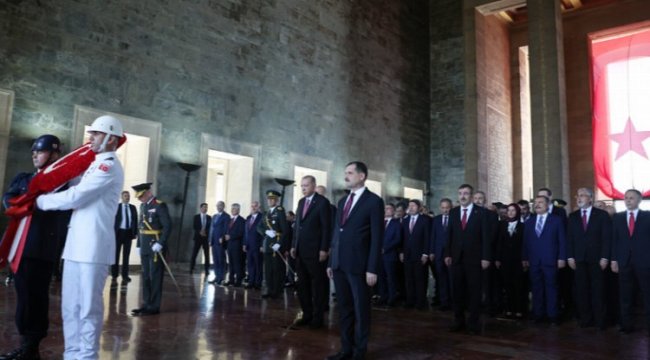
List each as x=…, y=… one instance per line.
x=508, y=261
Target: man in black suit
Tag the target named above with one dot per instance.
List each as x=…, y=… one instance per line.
x=468, y=254
x=415, y=255
x=588, y=252
x=201, y=226
x=311, y=242
x=354, y=260
x=491, y=278
x=630, y=249
x=439, y=226
x=126, y=229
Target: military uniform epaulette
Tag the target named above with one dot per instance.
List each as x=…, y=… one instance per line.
x=280, y=208
x=159, y=201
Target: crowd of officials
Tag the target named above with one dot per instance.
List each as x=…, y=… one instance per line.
x=528, y=259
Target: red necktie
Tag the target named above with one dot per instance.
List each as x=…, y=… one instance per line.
x=630, y=224
x=232, y=221
x=463, y=221
x=412, y=224
x=346, y=209
x=250, y=222
x=584, y=220
x=305, y=208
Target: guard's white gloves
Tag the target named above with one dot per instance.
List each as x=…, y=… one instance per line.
x=156, y=248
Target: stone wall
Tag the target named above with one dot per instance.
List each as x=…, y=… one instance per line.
x=447, y=99
x=336, y=80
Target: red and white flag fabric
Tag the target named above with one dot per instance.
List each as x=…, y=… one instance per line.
x=47, y=180
x=621, y=112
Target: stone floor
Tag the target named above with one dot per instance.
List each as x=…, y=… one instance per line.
x=208, y=322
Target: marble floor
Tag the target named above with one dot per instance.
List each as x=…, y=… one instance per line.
x=214, y=322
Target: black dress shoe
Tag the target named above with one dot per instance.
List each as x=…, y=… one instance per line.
x=340, y=356
x=457, y=328
x=126, y=279
x=12, y=354
x=302, y=322
x=315, y=325
x=146, y=312
x=269, y=296
x=626, y=330
x=24, y=352
x=137, y=311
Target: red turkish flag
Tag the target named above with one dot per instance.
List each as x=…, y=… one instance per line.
x=46, y=180
x=621, y=112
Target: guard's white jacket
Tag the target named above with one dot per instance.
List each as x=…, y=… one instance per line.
x=91, y=235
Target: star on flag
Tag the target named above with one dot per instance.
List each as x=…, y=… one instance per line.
x=630, y=140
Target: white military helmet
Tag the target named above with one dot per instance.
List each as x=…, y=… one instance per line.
x=108, y=125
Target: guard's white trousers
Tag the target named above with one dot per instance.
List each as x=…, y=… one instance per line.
x=82, y=306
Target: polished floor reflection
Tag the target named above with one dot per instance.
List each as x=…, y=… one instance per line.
x=208, y=322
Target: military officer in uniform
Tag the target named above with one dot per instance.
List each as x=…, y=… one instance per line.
x=275, y=245
x=90, y=242
x=155, y=228
x=46, y=231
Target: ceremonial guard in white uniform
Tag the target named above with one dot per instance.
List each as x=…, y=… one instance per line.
x=90, y=244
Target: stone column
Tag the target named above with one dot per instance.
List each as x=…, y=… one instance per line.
x=547, y=97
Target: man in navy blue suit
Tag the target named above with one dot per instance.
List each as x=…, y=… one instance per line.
x=390, y=256
x=543, y=253
x=440, y=223
x=415, y=255
x=252, y=246
x=233, y=239
x=220, y=222
x=588, y=253
x=630, y=249
x=565, y=277
x=354, y=260
x=468, y=253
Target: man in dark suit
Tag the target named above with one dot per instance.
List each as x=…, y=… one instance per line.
x=233, y=239
x=252, y=247
x=566, y=274
x=390, y=256
x=220, y=222
x=468, y=254
x=202, y=223
x=311, y=242
x=588, y=253
x=354, y=260
x=126, y=229
x=439, y=227
x=543, y=253
x=415, y=255
x=630, y=249
x=524, y=207
x=491, y=279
